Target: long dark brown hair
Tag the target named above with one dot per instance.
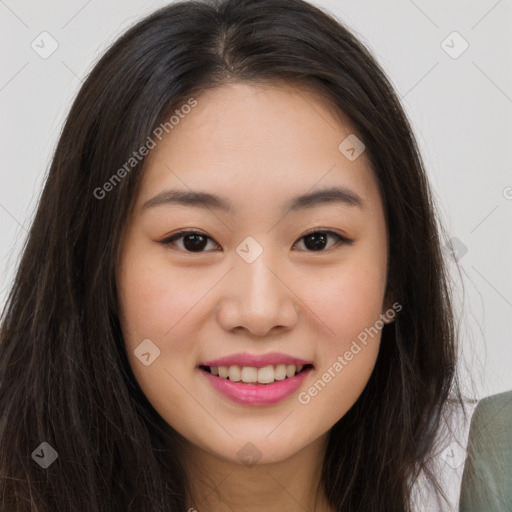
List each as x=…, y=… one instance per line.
x=65, y=377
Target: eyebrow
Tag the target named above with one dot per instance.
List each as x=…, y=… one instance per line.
x=209, y=201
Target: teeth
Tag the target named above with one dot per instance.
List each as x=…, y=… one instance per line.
x=266, y=375
x=290, y=370
x=234, y=373
x=250, y=374
x=280, y=372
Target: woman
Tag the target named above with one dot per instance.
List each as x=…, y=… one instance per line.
x=233, y=293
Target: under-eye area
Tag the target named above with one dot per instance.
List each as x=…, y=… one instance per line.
x=253, y=375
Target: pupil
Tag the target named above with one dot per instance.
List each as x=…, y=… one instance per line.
x=319, y=240
x=194, y=242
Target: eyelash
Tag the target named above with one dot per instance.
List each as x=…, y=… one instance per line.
x=169, y=241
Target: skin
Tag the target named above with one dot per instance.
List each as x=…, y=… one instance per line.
x=258, y=147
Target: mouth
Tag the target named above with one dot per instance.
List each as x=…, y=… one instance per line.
x=256, y=379
x=263, y=375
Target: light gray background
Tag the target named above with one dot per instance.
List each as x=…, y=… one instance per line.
x=460, y=109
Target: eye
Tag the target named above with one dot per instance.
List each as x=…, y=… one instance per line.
x=193, y=241
x=196, y=241
x=317, y=240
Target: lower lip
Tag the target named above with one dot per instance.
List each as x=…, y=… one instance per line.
x=257, y=394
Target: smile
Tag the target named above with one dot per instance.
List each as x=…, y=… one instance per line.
x=252, y=375
x=256, y=379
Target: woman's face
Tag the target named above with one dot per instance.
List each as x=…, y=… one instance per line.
x=268, y=285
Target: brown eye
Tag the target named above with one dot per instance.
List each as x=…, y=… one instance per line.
x=193, y=241
x=318, y=240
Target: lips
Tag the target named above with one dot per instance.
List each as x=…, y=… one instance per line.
x=256, y=379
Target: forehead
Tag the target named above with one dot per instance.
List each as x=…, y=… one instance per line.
x=256, y=142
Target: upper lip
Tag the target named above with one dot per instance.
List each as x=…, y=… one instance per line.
x=257, y=361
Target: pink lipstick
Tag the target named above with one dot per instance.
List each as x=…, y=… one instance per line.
x=249, y=379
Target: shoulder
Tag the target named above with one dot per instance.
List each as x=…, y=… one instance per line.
x=446, y=461
x=487, y=479
x=495, y=411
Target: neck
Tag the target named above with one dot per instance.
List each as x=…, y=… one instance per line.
x=221, y=485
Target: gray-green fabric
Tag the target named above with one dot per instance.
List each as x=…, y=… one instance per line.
x=487, y=478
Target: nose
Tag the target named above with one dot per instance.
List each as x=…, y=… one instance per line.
x=258, y=298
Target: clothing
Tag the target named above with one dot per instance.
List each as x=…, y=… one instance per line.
x=446, y=462
x=487, y=478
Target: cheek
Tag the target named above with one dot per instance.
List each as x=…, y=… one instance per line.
x=350, y=307
x=154, y=304
x=155, y=298
x=152, y=309
x=347, y=299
